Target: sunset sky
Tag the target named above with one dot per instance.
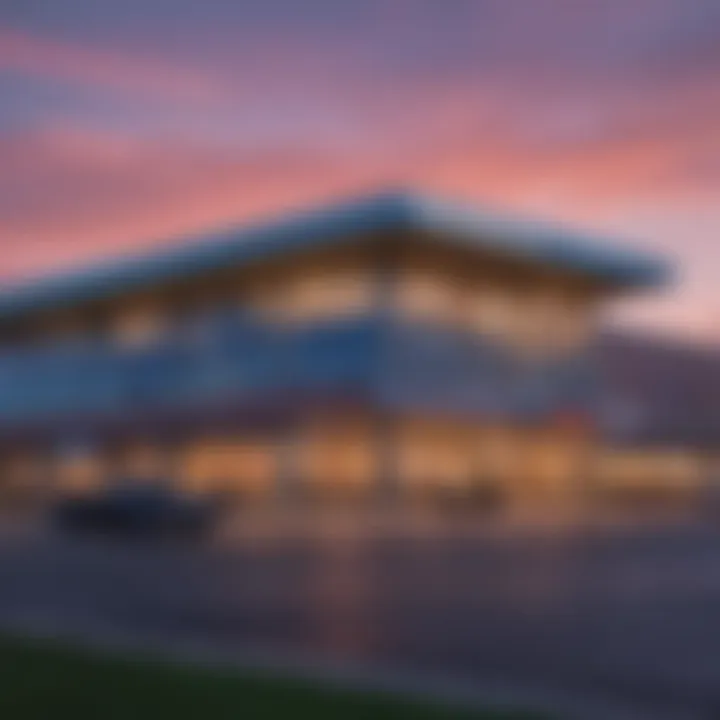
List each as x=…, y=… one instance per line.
x=123, y=124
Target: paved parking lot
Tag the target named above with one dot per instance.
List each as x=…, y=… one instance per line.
x=633, y=617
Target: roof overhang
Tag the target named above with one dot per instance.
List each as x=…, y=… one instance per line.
x=337, y=224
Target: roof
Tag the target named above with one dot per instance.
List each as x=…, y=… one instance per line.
x=660, y=391
x=450, y=222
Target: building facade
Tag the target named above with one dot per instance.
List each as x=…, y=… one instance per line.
x=395, y=348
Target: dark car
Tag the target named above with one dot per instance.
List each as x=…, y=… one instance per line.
x=141, y=510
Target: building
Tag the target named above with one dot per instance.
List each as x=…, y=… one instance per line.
x=395, y=348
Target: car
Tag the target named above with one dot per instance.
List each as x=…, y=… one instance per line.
x=139, y=509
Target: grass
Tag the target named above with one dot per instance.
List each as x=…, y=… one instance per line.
x=41, y=680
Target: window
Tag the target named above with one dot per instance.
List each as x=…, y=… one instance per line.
x=427, y=295
x=495, y=312
x=314, y=296
x=138, y=326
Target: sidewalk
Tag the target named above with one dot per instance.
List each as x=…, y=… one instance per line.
x=489, y=694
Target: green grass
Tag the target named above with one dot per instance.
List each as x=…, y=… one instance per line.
x=41, y=680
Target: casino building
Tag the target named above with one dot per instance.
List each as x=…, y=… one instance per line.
x=396, y=348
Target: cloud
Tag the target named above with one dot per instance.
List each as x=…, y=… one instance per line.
x=102, y=68
x=68, y=195
x=579, y=110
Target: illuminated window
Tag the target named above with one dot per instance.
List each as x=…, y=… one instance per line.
x=429, y=296
x=494, y=312
x=338, y=456
x=138, y=326
x=434, y=456
x=246, y=465
x=314, y=297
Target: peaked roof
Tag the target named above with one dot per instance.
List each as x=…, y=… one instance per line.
x=450, y=222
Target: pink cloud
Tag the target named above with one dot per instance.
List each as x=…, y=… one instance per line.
x=102, y=68
x=66, y=197
x=553, y=127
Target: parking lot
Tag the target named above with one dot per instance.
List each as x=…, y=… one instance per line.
x=626, y=615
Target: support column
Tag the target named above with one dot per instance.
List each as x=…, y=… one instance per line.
x=287, y=484
x=385, y=422
x=385, y=440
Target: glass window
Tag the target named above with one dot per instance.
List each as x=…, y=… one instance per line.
x=424, y=295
